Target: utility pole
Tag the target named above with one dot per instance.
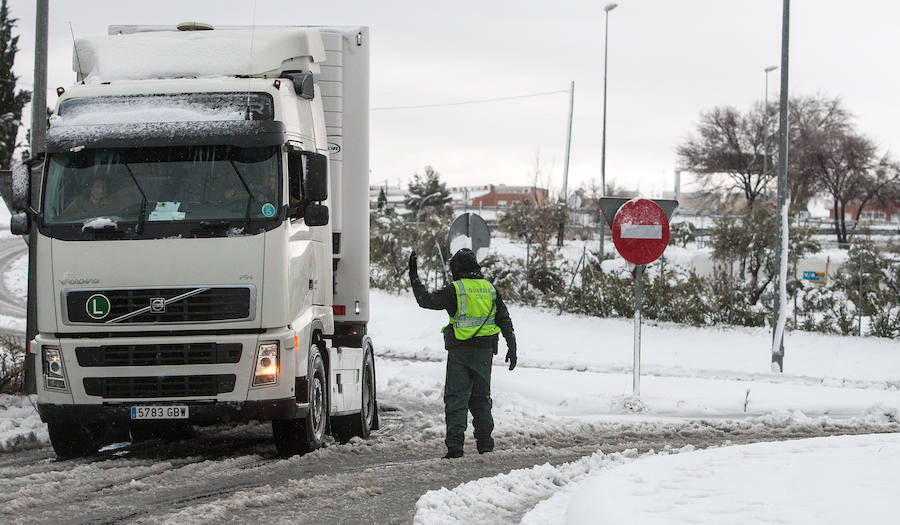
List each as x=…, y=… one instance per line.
x=606, y=10
x=781, y=239
x=39, y=96
x=38, y=146
x=565, y=186
x=568, y=142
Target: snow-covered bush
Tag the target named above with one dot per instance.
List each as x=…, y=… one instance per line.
x=12, y=365
x=732, y=300
x=387, y=264
x=825, y=309
x=542, y=287
x=682, y=234
x=864, y=291
x=393, y=236
x=886, y=323
x=675, y=294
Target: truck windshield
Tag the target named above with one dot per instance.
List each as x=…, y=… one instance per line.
x=147, y=185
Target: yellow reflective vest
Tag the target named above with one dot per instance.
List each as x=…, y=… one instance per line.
x=475, y=309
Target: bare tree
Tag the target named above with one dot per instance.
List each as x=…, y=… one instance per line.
x=811, y=117
x=842, y=161
x=726, y=153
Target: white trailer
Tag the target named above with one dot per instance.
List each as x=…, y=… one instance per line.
x=202, y=231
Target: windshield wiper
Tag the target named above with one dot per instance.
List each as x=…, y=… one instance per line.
x=246, y=188
x=143, y=210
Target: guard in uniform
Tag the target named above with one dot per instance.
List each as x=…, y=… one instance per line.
x=477, y=316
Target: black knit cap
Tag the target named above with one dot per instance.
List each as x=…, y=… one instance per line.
x=464, y=265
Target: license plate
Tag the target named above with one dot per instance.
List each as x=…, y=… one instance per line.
x=159, y=412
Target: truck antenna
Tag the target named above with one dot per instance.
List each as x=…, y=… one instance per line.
x=75, y=46
x=249, y=114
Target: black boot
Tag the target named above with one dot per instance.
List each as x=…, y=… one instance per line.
x=453, y=454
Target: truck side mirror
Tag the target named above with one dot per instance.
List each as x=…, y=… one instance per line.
x=316, y=215
x=20, y=224
x=303, y=82
x=21, y=186
x=315, y=176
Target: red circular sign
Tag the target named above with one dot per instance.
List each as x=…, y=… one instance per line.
x=640, y=231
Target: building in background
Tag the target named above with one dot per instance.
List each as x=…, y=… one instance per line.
x=395, y=195
x=872, y=213
x=501, y=196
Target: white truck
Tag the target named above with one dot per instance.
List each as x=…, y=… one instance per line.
x=202, y=238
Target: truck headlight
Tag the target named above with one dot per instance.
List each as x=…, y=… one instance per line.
x=54, y=371
x=266, y=372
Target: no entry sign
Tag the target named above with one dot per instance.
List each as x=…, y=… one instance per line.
x=640, y=231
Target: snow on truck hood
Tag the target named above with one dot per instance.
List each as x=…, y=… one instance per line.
x=192, y=54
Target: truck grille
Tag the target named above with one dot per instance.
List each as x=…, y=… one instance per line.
x=159, y=305
x=154, y=387
x=158, y=354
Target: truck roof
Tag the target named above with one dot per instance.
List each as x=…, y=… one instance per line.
x=180, y=54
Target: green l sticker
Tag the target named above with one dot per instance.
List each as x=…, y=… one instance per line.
x=97, y=306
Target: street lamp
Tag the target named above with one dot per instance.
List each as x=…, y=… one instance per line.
x=606, y=10
x=422, y=202
x=766, y=121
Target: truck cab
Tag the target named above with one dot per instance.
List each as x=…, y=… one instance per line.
x=201, y=236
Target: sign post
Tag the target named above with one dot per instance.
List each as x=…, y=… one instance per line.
x=640, y=231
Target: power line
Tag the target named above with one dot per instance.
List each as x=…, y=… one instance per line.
x=480, y=101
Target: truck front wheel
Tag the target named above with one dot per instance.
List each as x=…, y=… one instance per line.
x=72, y=440
x=299, y=436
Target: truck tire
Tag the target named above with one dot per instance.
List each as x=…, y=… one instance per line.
x=72, y=440
x=344, y=428
x=299, y=436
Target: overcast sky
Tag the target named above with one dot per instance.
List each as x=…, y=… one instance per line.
x=668, y=61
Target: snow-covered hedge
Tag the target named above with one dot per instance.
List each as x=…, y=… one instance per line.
x=865, y=292
x=12, y=365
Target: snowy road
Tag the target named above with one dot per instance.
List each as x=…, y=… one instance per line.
x=12, y=305
x=231, y=474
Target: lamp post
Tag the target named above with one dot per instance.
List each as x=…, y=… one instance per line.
x=766, y=121
x=606, y=10
x=422, y=203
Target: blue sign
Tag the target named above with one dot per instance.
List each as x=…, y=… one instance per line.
x=817, y=277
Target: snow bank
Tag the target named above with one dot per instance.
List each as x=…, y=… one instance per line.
x=833, y=480
x=572, y=342
x=502, y=498
x=565, y=399
x=20, y=425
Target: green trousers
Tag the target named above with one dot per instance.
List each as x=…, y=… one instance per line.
x=468, y=389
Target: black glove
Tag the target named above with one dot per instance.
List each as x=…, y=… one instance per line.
x=511, y=358
x=413, y=267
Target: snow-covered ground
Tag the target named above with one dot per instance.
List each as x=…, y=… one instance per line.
x=832, y=480
x=20, y=425
x=576, y=371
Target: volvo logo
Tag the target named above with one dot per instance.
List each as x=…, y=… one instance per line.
x=158, y=305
